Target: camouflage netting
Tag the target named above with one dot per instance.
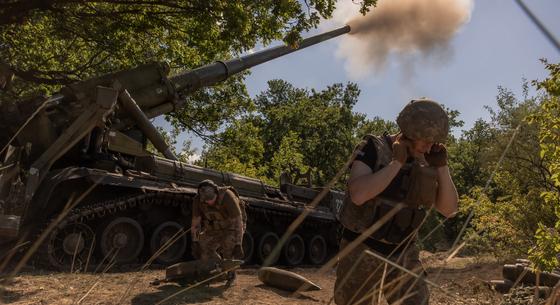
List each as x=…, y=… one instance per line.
x=424, y=119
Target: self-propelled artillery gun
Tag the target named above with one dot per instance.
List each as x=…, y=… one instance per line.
x=77, y=162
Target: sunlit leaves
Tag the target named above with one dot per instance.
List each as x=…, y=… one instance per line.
x=298, y=129
x=52, y=44
x=545, y=253
x=511, y=209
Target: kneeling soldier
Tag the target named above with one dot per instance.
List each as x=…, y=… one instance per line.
x=217, y=223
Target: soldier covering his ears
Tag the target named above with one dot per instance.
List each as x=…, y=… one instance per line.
x=217, y=223
x=408, y=168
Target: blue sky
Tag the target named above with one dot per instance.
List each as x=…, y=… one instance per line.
x=498, y=46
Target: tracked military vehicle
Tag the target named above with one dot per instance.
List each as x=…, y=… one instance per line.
x=77, y=161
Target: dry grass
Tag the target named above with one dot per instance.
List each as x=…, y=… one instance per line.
x=462, y=277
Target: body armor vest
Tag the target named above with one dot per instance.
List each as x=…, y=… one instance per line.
x=215, y=216
x=415, y=185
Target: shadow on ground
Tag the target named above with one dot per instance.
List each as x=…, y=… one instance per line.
x=8, y=296
x=193, y=295
x=287, y=294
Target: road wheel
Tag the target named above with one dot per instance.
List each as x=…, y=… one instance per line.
x=267, y=243
x=70, y=247
x=121, y=240
x=294, y=250
x=163, y=234
x=317, y=250
x=248, y=247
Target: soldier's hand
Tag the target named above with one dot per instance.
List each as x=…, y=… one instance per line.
x=437, y=156
x=238, y=252
x=194, y=234
x=195, y=250
x=400, y=149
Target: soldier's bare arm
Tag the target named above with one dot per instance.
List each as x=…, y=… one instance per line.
x=447, y=197
x=364, y=185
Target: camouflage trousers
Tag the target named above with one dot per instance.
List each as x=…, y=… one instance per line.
x=363, y=282
x=212, y=241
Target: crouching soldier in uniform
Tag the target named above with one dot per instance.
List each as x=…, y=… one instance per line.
x=407, y=169
x=217, y=223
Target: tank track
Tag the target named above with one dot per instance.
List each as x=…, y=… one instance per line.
x=267, y=220
x=88, y=214
x=269, y=216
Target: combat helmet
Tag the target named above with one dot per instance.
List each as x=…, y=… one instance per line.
x=424, y=119
x=207, y=190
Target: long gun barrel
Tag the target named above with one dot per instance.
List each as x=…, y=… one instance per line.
x=221, y=70
x=190, y=81
x=156, y=93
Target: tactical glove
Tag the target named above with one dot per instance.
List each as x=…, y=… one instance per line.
x=238, y=252
x=195, y=250
x=400, y=149
x=437, y=156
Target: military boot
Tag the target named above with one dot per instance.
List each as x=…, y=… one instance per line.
x=231, y=276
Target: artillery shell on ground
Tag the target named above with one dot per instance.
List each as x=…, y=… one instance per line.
x=198, y=270
x=285, y=280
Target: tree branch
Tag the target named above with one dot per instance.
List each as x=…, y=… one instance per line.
x=32, y=76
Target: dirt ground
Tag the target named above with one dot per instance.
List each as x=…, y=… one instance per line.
x=460, y=282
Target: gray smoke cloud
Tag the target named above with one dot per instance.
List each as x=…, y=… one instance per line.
x=411, y=30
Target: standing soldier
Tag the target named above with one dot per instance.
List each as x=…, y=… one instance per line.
x=408, y=168
x=217, y=223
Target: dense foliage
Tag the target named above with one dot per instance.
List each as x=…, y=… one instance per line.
x=546, y=252
x=506, y=168
x=51, y=43
x=293, y=130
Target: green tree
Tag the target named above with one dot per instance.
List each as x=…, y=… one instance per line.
x=546, y=251
x=238, y=149
x=52, y=43
x=288, y=157
x=376, y=126
x=187, y=153
x=323, y=120
x=303, y=128
x=469, y=163
x=468, y=158
x=508, y=207
x=55, y=42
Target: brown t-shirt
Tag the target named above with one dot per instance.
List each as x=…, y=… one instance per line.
x=227, y=204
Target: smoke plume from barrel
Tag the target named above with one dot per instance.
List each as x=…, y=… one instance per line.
x=408, y=29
